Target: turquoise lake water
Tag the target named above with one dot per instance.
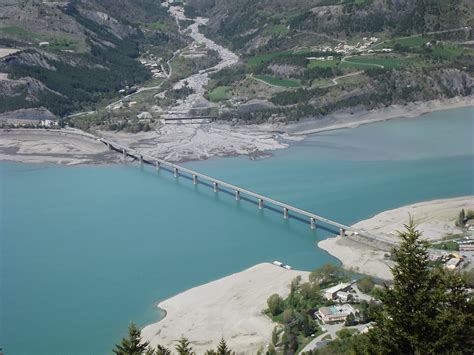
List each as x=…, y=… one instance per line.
x=85, y=250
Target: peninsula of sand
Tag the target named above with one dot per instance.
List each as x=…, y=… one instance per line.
x=435, y=219
x=232, y=307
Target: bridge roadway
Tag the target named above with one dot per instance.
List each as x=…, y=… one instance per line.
x=261, y=199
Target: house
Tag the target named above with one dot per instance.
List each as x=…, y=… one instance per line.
x=452, y=263
x=331, y=293
x=334, y=314
x=344, y=297
x=43, y=44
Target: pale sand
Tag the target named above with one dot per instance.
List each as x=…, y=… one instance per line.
x=178, y=143
x=7, y=51
x=355, y=119
x=69, y=147
x=436, y=219
x=230, y=307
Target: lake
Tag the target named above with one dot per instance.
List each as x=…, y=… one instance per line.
x=86, y=250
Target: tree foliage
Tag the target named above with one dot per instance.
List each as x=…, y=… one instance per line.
x=131, y=345
x=183, y=347
x=427, y=311
x=275, y=304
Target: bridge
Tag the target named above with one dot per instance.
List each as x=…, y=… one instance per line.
x=218, y=185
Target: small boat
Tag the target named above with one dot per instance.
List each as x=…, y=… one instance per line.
x=277, y=263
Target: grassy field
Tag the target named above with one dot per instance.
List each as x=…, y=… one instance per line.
x=156, y=26
x=317, y=83
x=17, y=31
x=323, y=63
x=279, y=29
x=220, y=93
x=278, y=82
x=416, y=41
x=260, y=59
x=365, y=62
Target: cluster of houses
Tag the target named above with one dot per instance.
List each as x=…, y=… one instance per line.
x=153, y=63
x=345, y=294
x=360, y=47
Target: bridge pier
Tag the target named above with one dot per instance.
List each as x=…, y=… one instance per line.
x=109, y=146
x=157, y=165
x=237, y=195
x=195, y=179
x=216, y=187
x=342, y=232
x=176, y=172
x=141, y=159
x=124, y=154
x=312, y=223
x=260, y=204
x=285, y=213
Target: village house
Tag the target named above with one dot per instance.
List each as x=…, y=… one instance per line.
x=334, y=314
x=331, y=293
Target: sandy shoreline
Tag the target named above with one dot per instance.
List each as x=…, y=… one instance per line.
x=434, y=218
x=66, y=147
x=230, y=307
x=352, y=120
x=181, y=143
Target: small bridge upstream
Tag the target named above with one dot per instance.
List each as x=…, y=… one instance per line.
x=287, y=211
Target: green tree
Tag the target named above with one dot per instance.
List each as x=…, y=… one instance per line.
x=326, y=274
x=131, y=345
x=468, y=277
x=287, y=316
x=222, y=348
x=427, y=311
x=461, y=218
x=161, y=350
x=350, y=320
x=184, y=347
x=275, y=336
x=366, y=284
x=275, y=304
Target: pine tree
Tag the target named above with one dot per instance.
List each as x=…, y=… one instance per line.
x=427, y=311
x=131, y=345
x=161, y=350
x=184, y=347
x=222, y=348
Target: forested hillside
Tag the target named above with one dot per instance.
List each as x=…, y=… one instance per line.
x=74, y=54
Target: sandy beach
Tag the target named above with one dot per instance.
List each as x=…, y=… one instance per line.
x=68, y=147
x=230, y=307
x=435, y=219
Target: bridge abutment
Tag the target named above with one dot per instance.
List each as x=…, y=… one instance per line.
x=157, y=165
x=176, y=172
x=342, y=232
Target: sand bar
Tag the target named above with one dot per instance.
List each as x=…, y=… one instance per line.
x=230, y=307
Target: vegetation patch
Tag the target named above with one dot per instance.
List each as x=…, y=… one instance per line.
x=288, y=83
x=220, y=93
x=365, y=62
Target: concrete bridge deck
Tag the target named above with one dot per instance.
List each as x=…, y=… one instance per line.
x=216, y=184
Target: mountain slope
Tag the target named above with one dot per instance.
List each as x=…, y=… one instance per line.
x=80, y=51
